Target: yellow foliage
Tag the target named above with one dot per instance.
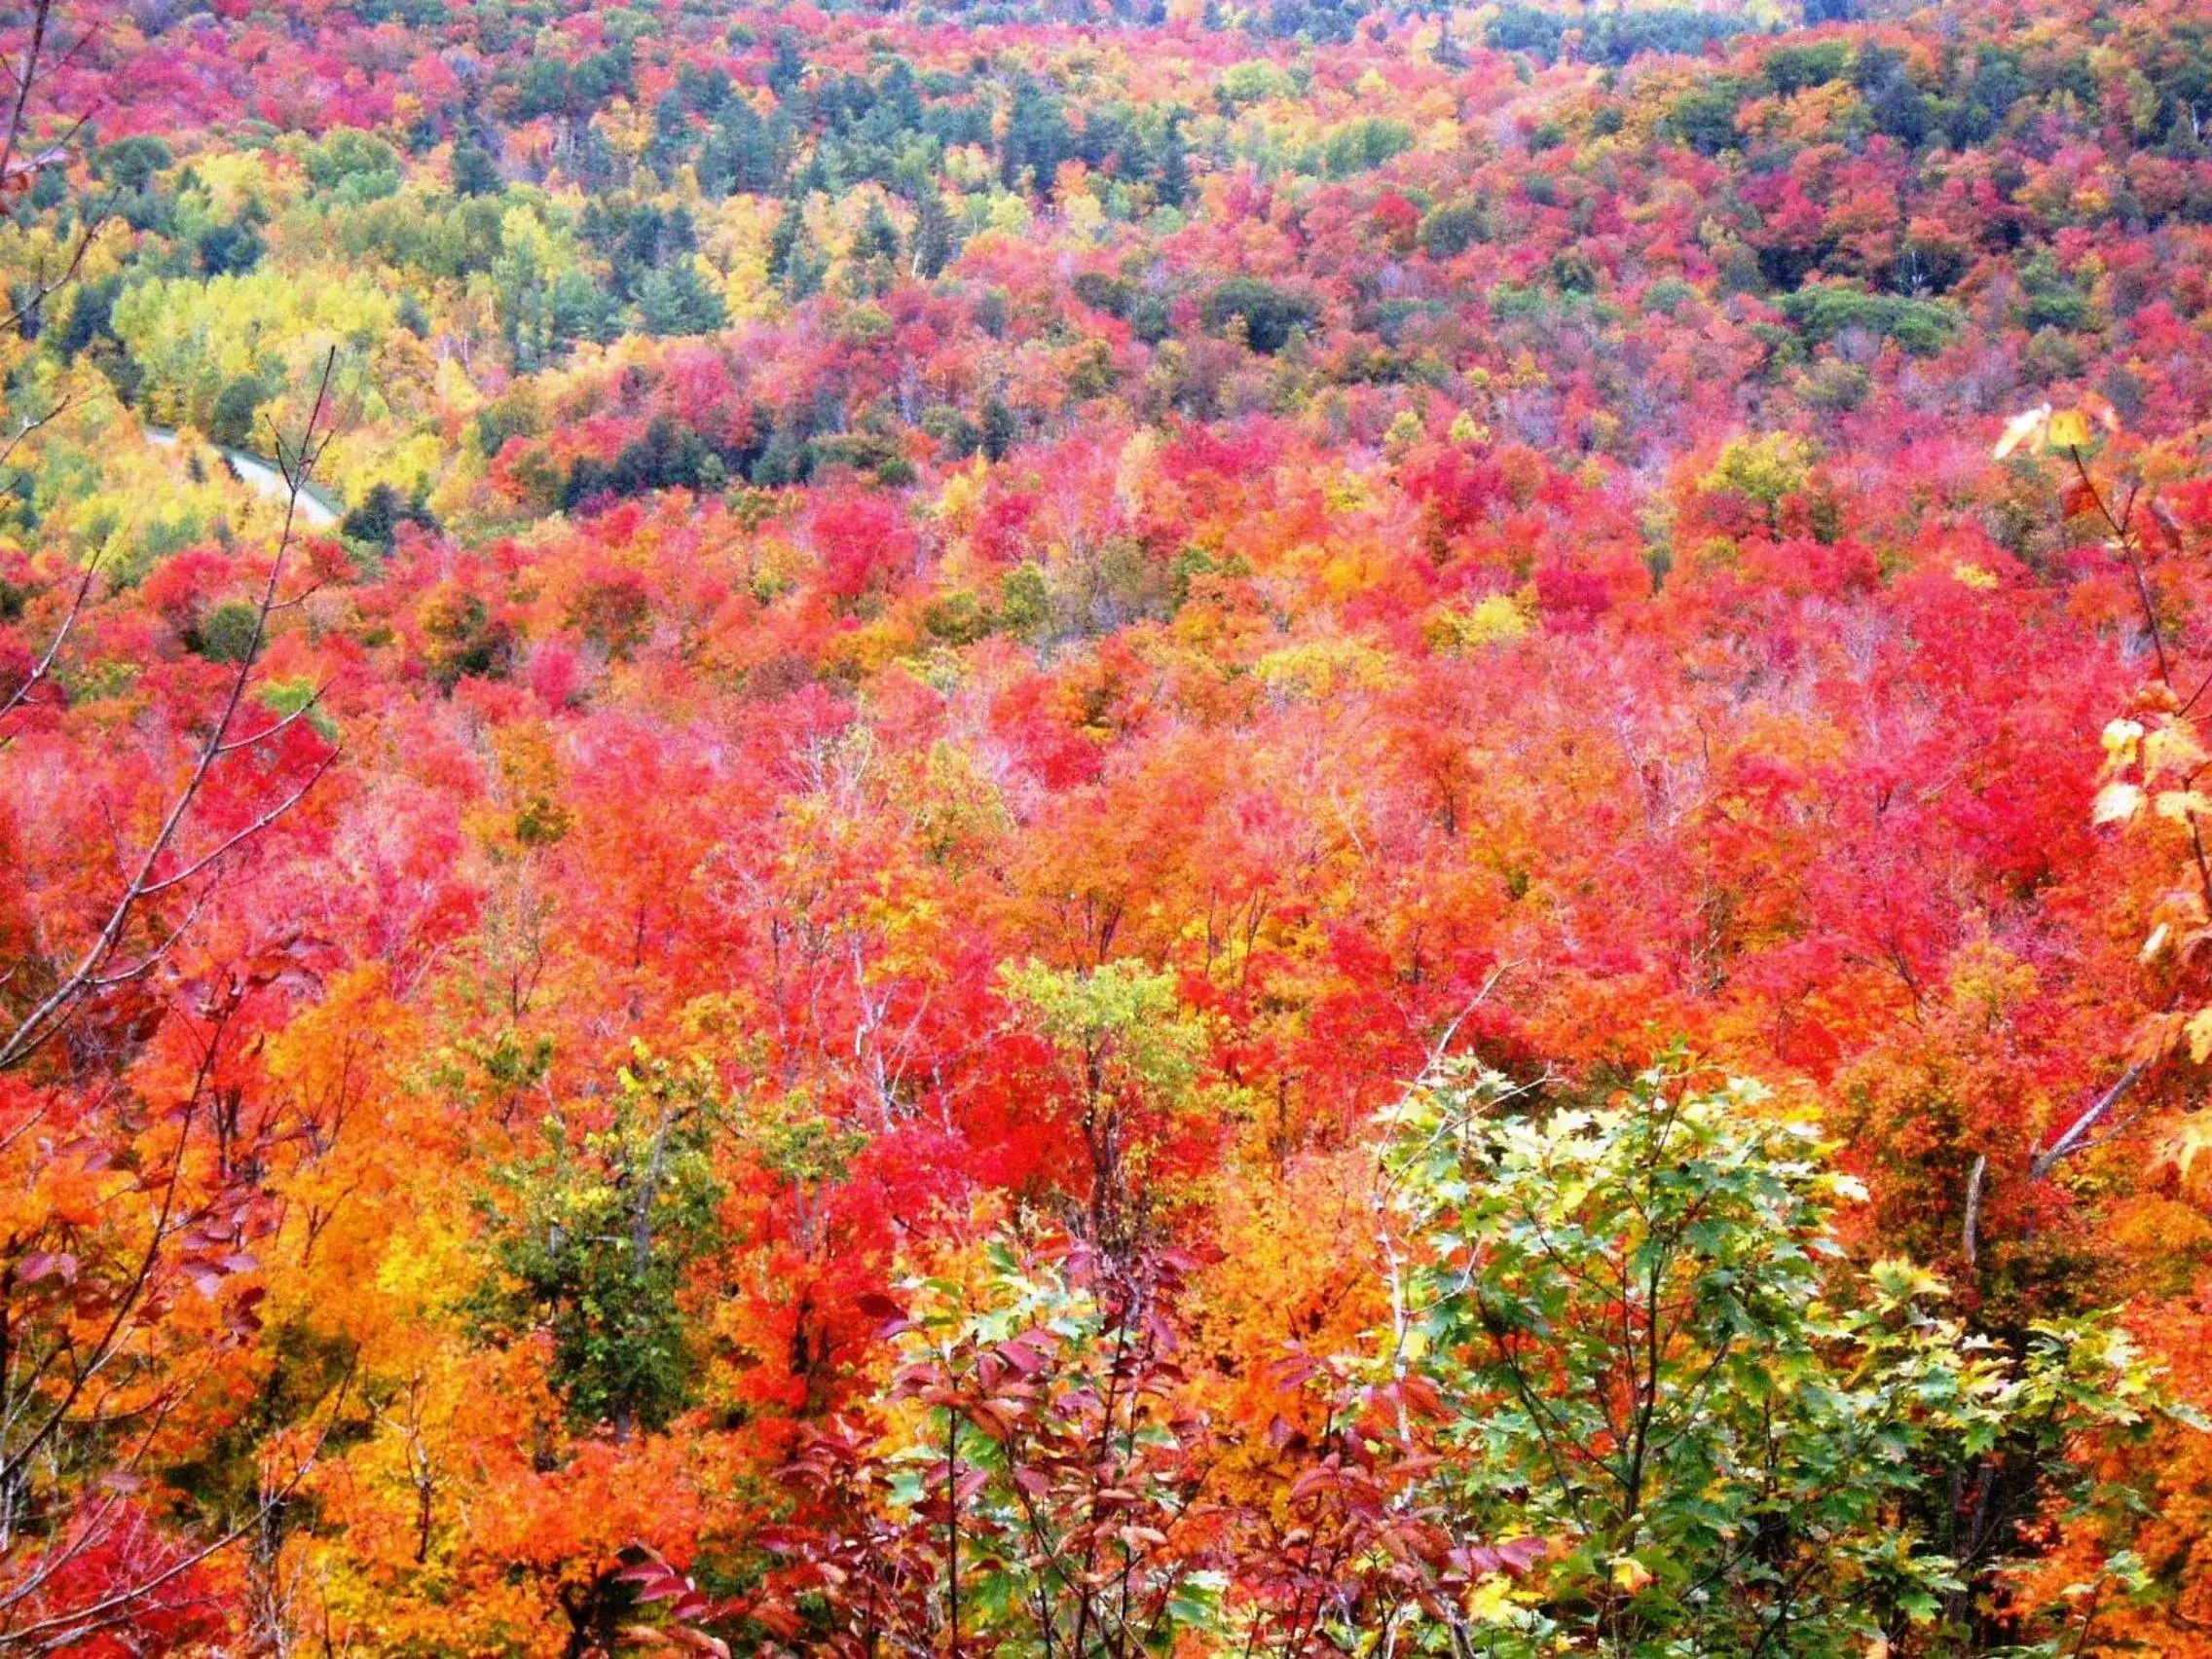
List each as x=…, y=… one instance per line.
x=1489, y=621
x=1763, y=468
x=1322, y=668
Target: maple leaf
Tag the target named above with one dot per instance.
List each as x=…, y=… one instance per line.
x=2117, y=803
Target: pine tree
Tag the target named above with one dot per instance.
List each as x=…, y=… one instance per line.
x=1174, y=163
x=933, y=236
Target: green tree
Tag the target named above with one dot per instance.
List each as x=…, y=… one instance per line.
x=230, y=419
x=1034, y=1488
x=474, y=171
x=933, y=234
x=1705, y=118
x=1637, y=1337
x=1127, y=1055
x=131, y=163
x=795, y=260
x=675, y=299
x=594, y=1239
x=1174, y=162
x=1765, y=470
x=1271, y=313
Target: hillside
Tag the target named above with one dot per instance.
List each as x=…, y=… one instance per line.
x=1080, y=829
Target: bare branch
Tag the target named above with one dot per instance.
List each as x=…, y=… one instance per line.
x=1968, y=1239
x=247, y=833
x=90, y=974
x=2076, y=1131
x=42, y=13
x=30, y=425
x=45, y=664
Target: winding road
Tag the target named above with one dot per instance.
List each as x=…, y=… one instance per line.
x=260, y=474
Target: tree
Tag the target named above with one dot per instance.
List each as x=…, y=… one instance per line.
x=1636, y=1339
x=1269, y=313
x=138, y=1183
x=1123, y=1059
x=231, y=421
x=1043, y=1491
x=593, y=1239
x=933, y=244
x=674, y=299
x=1174, y=162
x=475, y=172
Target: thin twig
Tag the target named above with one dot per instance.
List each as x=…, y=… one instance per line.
x=36, y=1028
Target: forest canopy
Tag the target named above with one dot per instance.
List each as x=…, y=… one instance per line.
x=1089, y=828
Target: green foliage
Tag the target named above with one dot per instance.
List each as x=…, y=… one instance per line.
x=1365, y=143
x=1793, y=68
x=1823, y=310
x=676, y=300
x=2048, y=300
x=1612, y=36
x=1449, y=230
x=1764, y=469
x=1637, y=1337
x=227, y=633
x=1705, y=117
x=667, y=455
x=1025, y=600
x=375, y=523
x=131, y=163
x=474, y=171
x=192, y=339
x=1269, y=312
x=1122, y=1023
x=1127, y=1055
x=231, y=419
x=594, y=1238
x=289, y=697
x=1254, y=81
x=1036, y=1489
x=356, y=166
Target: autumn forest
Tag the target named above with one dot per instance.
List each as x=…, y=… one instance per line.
x=1095, y=828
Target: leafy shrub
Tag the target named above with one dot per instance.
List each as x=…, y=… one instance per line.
x=1270, y=311
x=1635, y=1324
x=1449, y=230
x=1826, y=309
x=227, y=633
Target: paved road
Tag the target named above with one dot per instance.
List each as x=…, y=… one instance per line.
x=261, y=474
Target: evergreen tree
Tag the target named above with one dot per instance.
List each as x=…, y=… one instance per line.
x=1174, y=163
x=933, y=236
x=675, y=299
x=474, y=171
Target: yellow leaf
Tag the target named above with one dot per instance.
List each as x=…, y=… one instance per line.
x=2021, y=427
x=2191, y=1139
x=1630, y=1574
x=2199, y=1031
x=2173, y=748
x=1490, y=1600
x=2121, y=739
x=2181, y=806
x=2117, y=803
x=2068, y=430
